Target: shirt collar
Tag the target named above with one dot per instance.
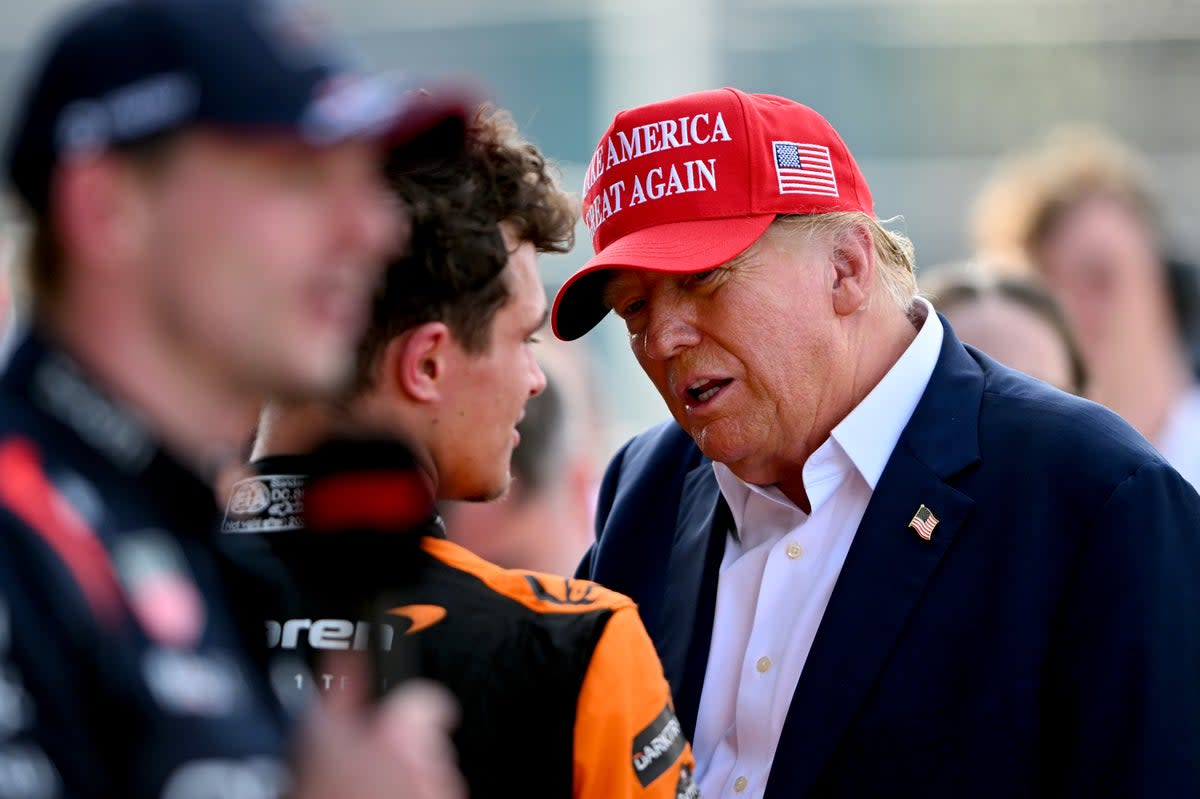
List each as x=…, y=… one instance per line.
x=864, y=440
x=824, y=473
x=737, y=494
x=869, y=433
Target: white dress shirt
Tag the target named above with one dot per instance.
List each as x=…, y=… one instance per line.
x=1179, y=441
x=779, y=570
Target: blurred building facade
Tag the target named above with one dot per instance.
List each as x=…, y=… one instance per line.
x=927, y=93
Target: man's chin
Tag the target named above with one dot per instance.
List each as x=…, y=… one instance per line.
x=488, y=493
x=718, y=447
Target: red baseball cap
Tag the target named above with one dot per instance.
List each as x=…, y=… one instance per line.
x=687, y=184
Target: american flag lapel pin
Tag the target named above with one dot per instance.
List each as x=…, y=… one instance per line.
x=923, y=521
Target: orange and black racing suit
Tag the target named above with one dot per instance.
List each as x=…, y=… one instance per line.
x=560, y=688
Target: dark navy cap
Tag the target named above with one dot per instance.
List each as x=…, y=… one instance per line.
x=122, y=71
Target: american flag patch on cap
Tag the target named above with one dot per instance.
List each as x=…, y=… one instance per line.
x=804, y=169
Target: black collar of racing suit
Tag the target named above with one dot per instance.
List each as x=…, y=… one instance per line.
x=331, y=491
x=77, y=409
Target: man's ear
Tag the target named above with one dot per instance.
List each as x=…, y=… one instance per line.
x=853, y=257
x=416, y=361
x=98, y=211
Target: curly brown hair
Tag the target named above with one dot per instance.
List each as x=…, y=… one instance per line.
x=454, y=269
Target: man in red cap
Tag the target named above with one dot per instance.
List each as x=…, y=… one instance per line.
x=874, y=561
x=204, y=181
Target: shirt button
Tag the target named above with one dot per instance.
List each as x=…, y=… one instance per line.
x=794, y=550
x=740, y=784
x=763, y=664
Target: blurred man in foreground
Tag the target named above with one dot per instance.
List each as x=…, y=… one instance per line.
x=875, y=563
x=210, y=218
x=560, y=689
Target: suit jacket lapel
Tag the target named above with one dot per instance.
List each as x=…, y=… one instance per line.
x=689, y=597
x=885, y=571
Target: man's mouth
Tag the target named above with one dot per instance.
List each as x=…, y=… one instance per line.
x=705, y=389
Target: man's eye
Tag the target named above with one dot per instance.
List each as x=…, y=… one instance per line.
x=700, y=277
x=630, y=308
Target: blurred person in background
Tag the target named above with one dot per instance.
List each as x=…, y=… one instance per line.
x=7, y=260
x=874, y=561
x=560, y=689
x=544, y=521
x=9, y=265
x=1078, y=209
x=200, y=240
x=1011, y=318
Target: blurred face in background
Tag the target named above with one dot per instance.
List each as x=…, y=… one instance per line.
x=1100, y=261
x=1015, y=336
x=7, y=248
x=258, y=257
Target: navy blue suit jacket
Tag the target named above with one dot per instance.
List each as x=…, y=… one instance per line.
x=1045, y=642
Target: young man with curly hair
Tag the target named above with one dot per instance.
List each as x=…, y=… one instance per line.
x=560, y=689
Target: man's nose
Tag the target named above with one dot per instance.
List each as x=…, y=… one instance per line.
x=539, y=379
x=669, y=330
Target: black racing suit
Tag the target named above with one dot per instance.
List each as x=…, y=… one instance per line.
x=123, y=670
x=560, y=689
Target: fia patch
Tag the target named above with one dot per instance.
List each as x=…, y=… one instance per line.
x=265, y=504
x=658, y=747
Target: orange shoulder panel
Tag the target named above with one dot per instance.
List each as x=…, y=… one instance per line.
x=544, y=593
x=628, y=742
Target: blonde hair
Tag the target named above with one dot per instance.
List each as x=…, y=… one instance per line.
x=1028, y=193
x=895, y=256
